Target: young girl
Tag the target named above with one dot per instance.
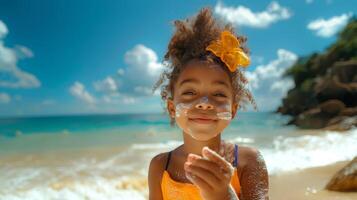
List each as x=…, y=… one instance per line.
x=204, y=91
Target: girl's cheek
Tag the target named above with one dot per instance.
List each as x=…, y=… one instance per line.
x=182, y=109
x=224, y=112
x=181, y=115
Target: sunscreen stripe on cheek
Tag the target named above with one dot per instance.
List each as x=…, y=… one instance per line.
x=182, y=107
x=224, y=115
x=227, y=115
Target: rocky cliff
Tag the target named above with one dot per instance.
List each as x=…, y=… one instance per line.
x=325, y=92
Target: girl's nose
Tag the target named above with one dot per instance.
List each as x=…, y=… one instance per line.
x=204, y=106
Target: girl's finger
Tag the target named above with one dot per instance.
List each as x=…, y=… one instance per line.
x=202, y=184
x=222, y=148
x=213, y=156
x=209, y=166
x=204, y=174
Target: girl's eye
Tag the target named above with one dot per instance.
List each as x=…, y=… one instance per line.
x=188, y=93
x=220, y=94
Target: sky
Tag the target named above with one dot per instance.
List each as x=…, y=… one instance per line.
x=102, y=57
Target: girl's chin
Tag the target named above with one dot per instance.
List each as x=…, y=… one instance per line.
x=201, y=134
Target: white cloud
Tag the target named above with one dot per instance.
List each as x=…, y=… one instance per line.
x=121, y=72
x=142, y=61
x=129, y=100
x=108, y=85
x=143, y=69
x=256, y=60
x=135, y=81
x=329, y=27
x=79, y=91
x=243, y=16
x=4, y=98
x=266, y=82
x=3, y=29
x=23, y=52
x=11, y=75
x=128, y=85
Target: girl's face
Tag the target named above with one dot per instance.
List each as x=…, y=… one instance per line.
x=203, y=101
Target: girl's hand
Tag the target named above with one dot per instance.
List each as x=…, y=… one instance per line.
x=211, y=174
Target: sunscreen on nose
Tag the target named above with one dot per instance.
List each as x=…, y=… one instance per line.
x=204, y=99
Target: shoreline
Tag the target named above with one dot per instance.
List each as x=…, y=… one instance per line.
x=307, y=184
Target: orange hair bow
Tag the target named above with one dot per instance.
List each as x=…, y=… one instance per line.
x=228, y=49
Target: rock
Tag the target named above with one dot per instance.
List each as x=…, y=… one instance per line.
x=346, y=71
x=296, y=102
x=345, y=179
x=325, y=90
x=312, y=119
x=330, y=88
x=349, y=111
x=332, y=107
x=336, y=120
x=341, y=123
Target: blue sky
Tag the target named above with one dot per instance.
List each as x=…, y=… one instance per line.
x=76, y=57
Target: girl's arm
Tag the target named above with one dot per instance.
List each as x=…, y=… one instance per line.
x=254, y=177
x=155, y=175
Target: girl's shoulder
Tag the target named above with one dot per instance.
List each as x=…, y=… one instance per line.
x=248, y=155
x=251, y=161
x=156, y=169
x=157, y=163
x=252, y=172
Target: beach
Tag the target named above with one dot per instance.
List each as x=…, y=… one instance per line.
x=106, y=158
x=307, y=184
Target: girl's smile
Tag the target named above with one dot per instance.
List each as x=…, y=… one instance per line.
x=203, y=119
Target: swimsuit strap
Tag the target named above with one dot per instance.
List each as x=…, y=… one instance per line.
x=168, y=160
x=235, y=155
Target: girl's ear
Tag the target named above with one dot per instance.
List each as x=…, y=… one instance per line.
x=171, y=107
x=234, y=110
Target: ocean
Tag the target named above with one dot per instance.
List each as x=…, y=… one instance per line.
x=107, y=156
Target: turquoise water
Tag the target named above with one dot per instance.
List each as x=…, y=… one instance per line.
x=80, y=124
x=245, y=123
x=55, y=132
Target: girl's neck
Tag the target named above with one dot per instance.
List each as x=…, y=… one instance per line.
x=193, y=146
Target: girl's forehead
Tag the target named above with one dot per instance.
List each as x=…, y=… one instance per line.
x=204, y=72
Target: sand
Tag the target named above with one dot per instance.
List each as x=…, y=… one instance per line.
x=307, y=184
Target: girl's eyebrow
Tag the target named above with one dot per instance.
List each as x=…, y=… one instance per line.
x=189, y=80
x=220, y=83
x=193, y=80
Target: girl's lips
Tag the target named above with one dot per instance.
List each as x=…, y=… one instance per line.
x=202, y=120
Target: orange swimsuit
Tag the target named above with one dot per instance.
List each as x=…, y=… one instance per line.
x=174, y=190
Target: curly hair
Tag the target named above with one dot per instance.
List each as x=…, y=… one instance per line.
x=188, y=43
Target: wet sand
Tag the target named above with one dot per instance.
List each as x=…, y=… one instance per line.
x=307, y=184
